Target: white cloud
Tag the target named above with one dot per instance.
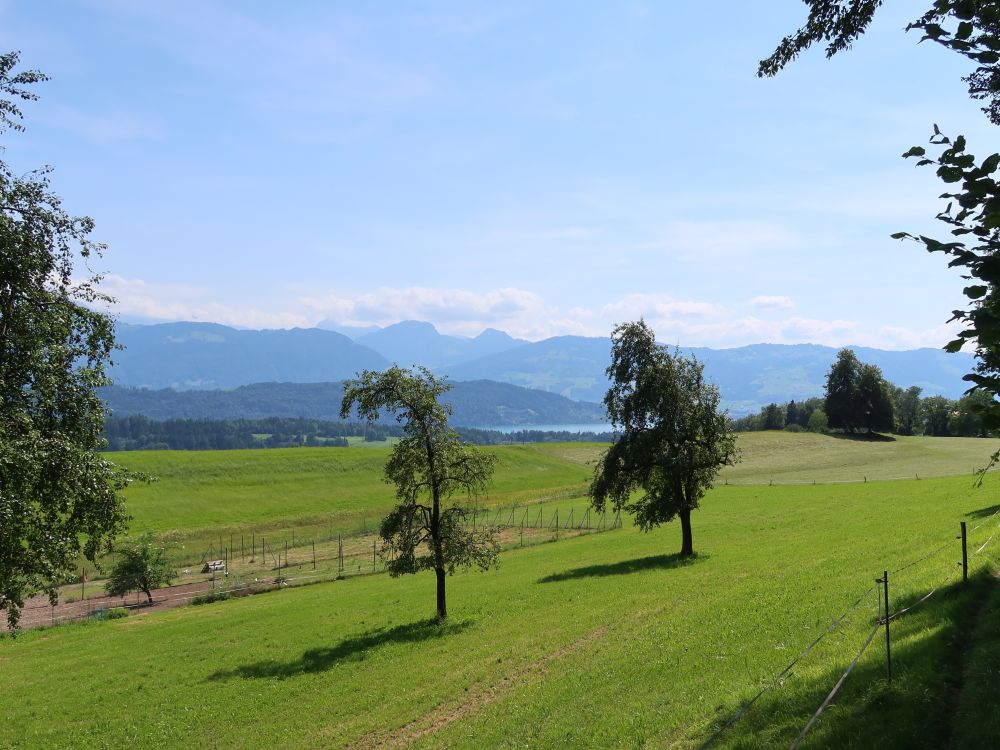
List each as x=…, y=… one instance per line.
x=180, y=302
x=459, y=311
x=768, y=302
x=519, y=312
x=659, y=307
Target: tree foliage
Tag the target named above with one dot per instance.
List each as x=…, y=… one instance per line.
x=58, y=497
x=428, y=462
x=857, y=396
x=672, y=437
x=141, y=566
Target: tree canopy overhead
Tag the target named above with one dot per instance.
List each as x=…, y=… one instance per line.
x=58, y=496
x=431, y=464
x=673, y=438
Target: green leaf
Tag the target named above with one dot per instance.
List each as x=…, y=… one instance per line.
x=964, y=30
x=950, y=174
x=976, y=291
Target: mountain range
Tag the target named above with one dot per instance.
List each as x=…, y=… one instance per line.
x=206, y=356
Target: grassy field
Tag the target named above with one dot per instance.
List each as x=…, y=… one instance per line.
x=604, y=640
x=225, y=490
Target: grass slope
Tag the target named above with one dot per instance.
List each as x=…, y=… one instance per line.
x=232, y=489
x=599, y=641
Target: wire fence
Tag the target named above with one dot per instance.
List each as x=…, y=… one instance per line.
x=884, y=617
x=860, y=479
x=251, y=563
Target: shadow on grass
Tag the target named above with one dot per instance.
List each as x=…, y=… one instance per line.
x=863, y=437
x=915, y=710
x=983, y=512
x=353, y=649
x=625, y=567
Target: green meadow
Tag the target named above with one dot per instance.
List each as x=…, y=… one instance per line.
x=599, y=640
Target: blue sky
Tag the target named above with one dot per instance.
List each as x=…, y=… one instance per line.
x=540, y=167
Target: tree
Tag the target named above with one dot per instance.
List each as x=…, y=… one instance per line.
x=428, y=461
x=140, y=567
x=792, y=413
x=58, y=497
x=672, y=438
x=906, y=407
x=857, y=396
x=773, y=417
x=841, y=404
x=936, y=415
x=818, y=421
x=875, y=400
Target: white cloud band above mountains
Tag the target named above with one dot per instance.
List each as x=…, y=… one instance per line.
x=521, y=313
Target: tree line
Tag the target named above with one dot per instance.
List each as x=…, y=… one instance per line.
x=138, y=432
x=858, y=398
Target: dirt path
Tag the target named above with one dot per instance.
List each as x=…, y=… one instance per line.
x=38, y=613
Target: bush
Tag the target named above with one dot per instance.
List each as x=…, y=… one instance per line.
x=793, y=427
x=212, y=596
x=818, y=421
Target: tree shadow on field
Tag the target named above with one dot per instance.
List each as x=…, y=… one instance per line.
x=863, y=437
x=626, y=567
x=353, y=649
x=983, y=512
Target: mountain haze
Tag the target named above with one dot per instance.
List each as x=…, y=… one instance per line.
x=481, y=403
x=416, y=342
x=187, y=356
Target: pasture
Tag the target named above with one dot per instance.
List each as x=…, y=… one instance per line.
x=603, y=640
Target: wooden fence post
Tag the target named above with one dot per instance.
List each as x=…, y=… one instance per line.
x=965, y=557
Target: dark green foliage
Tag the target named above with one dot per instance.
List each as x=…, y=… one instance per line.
x=140, y=566
x=936, y=411
x=429, y=461
x=58, y=497
x=673, y=439
x=906, y=407
x=857, y=396
x=772, y=417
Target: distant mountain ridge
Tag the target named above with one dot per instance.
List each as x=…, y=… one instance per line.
x=191, y=356
x=480, y=403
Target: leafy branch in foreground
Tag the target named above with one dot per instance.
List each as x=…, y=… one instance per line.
x=58, y=497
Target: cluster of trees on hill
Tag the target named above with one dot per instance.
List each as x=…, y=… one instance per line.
x=139, y=432
x=859, y=398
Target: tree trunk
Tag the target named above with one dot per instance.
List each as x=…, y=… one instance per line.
x=442, y=606
x=687, y=543
x=149, y=596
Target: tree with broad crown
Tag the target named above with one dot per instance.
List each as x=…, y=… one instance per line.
x=841, y=391
x=140, y=567
x=429, y=461
x=672, y=437
x=58, y=496
x=857, y=395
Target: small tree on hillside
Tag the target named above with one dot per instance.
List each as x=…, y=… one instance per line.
x=140, y=566
x=672, y=437
x=430, y=461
